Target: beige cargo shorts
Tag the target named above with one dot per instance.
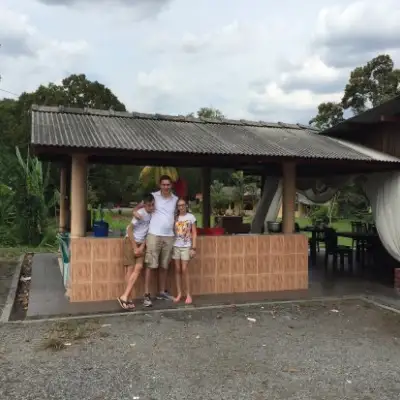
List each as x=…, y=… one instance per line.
x=158, y=251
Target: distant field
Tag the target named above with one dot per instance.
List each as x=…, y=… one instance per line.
x=118, y=222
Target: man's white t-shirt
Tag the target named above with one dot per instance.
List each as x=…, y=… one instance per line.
x=140, y=226
x=163, y=217
x=183, y=230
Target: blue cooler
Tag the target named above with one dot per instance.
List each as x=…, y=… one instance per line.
x=100, y=229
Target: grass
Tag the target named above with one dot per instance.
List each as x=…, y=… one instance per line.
x=63, y=334
x=13, y=253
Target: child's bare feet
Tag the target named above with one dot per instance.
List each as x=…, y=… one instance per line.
x=188, y=299
x=178, y=298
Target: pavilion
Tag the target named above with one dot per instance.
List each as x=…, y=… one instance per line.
x=74, y=138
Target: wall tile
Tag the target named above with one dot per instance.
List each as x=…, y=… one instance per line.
x=81, y=250
x=237, y=284
x=289, y=244
x=223, y=246
x=100, y=249
x=81, y=272
x=237, y=245
x=264, y=244
x=264, y=264
x=276, y=263
x=101, y=271
x=301, y=263
x=223, y=284
x=264, y=283
x=81, y=292
x=289, y=281
x=115, y=249
x=289, y=263
x=301, y=244
x=250, y=245
x=99, y=291
x=208, y=285
x=276, y=282
x=250, y=265
x=277, y=244
x=251, y=283
x=237, y=265
x=114, y=290
x=209, y=247
x=223, y=266
x=209, y=266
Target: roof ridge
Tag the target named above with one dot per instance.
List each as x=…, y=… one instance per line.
x=164, y=117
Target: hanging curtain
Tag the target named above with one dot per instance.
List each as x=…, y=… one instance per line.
x=383, y=192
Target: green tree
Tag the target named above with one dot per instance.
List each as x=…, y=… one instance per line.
x=208, y=112
x=329, y=114
x=371, y=84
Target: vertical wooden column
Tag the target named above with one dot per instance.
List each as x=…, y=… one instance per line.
x=206, y=183
x=78, y=195
x=63, y=199
x=68, y=197
x=288, y=196
x=263, y=179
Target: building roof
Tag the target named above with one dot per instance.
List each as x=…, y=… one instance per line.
x=110, y=130
x=388, y=109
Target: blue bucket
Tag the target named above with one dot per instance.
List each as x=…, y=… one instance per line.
x=100, y=229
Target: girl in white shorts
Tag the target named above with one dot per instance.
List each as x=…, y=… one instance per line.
x=184, y=248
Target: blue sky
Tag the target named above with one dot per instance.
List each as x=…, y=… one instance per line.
x=253, y=59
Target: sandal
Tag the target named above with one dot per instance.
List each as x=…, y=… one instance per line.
x=125, y=305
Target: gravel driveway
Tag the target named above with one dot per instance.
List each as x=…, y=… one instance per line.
x=347, y=350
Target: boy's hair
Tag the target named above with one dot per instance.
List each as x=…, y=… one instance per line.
x=165, y=178
x=148, y=198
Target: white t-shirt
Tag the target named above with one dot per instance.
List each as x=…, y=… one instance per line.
x=162, y=221
x=183, y=230
x=140, y=226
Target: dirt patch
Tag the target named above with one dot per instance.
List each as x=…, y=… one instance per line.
x=22, y=297
x=64, y=334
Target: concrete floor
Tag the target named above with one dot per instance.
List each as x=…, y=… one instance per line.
x=47, y=292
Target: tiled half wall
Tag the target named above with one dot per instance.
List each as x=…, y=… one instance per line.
x=223, y=264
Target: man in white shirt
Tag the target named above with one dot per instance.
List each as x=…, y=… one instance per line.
x=160, y=238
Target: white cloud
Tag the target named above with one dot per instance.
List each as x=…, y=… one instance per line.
x=29, y=58
x=346, y=34
x=250, y=59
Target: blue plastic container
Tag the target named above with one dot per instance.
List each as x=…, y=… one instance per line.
x=100, y=229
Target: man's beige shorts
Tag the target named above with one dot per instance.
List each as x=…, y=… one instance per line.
x=158, y=251
x=181, y=253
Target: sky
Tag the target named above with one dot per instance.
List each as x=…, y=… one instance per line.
x=256, y=59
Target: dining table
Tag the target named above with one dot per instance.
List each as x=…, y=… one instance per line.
x=363, y=238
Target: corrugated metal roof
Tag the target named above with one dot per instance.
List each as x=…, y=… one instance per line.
x=390, y=108
x=97, y=129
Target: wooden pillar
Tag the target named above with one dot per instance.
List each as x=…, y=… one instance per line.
x=206, y=183
x=263, y=179
x=288, y=196
x=63, y=199
x=78, y=195
x=68, y=197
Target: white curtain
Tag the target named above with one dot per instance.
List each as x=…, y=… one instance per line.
x=383, y=191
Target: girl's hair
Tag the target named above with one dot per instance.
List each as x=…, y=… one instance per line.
x=177, y=208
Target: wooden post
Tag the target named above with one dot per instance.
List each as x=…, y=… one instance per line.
x=206, y=183
x=78, y=195
x=63, y=199
x=288, y=196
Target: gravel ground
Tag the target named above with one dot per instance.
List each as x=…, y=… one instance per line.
x=7, y=269
x=347, y=350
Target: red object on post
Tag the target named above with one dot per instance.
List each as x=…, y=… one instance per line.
x=181, y=188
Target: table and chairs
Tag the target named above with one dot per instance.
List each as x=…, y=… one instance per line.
x=361, y=251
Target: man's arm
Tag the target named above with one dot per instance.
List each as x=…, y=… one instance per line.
x=130, y=236
x=136, y=209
